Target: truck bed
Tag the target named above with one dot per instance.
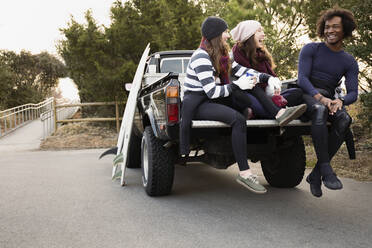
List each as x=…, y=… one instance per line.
x=250, y=123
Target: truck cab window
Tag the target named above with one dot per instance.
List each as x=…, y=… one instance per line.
x=171, y=65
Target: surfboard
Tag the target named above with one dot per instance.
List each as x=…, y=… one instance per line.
x=127, y=122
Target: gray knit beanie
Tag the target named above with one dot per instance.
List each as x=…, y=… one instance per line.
x=212, y=27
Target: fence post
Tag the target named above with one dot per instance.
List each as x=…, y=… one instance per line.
x=55, y=114
x=23, y=116
x=117, y=116
x=15, y=120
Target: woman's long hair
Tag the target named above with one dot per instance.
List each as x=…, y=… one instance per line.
x=216, y=49
x=250, y=50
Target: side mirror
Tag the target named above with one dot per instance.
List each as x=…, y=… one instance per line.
x=128, y=86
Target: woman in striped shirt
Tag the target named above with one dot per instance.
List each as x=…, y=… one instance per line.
x=209, y=95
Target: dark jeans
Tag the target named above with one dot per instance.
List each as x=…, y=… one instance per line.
x=191, y=101
x=293, y=96
x=265, y=101
x=199, y=107
x=326, y=143
x=216, y=111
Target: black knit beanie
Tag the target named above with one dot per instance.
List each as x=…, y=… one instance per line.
x=212, y=27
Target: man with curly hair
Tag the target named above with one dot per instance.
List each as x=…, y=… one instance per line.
x=321, y=67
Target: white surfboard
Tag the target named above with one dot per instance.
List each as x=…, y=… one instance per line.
x=127, y=122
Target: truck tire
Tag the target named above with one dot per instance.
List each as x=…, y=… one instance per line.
x=286, y=167
x=134, y=159
x=157, y=164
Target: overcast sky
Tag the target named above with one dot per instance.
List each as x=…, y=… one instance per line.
x=33, y=25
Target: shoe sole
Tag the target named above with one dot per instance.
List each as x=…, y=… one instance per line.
x=294, y=115
x=251, y=189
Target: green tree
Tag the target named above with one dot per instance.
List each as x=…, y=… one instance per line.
x=85, y=52
x=7, y=79
x=101, y=59
x=27, y=77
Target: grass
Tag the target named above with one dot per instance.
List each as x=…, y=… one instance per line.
x=81, y=136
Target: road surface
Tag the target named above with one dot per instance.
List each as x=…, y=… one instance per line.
x=67, y=199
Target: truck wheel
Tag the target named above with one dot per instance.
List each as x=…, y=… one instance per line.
x=286, y=167
x=157, y=165
x=134, y=152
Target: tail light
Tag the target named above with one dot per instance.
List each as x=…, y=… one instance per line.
x=173, y=113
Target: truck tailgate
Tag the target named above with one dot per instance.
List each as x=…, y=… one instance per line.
x=250, y=123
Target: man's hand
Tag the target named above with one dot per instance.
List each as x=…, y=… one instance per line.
x=335, y=105
x=325, y=101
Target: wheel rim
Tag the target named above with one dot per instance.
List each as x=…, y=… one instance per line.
x=145, y=162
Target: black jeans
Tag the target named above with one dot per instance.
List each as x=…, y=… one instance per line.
x=265, y=101
x=293, y=96
x=326, y=143
x=218, y=110
x=198, y=106
x=191, y=101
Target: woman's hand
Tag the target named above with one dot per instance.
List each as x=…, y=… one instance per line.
x=275, y=82
x=246, y=82
x=274, y=86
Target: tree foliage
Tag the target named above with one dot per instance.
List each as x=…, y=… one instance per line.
x=7, y=79
x=25, y=77
x=102, y=59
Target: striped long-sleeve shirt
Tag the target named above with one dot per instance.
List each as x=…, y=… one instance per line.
x=200, y=76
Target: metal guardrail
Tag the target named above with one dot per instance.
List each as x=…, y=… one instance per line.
x=48, y=120
x=13, y=118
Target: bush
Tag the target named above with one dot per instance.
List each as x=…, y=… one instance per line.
x=365, y=115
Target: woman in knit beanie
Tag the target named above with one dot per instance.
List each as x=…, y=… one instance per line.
x=210, y=95
x=251, y=52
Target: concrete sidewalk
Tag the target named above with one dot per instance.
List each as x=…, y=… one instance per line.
x=25, y=138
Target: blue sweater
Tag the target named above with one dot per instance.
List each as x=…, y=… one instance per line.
x=319, y=63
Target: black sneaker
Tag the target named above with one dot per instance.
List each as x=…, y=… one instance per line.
x=329, y=178
x=331, y=181
x=315, y=185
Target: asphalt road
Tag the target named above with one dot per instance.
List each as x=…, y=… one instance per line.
x=67, y=199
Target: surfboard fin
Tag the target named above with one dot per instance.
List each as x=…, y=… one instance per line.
x=112, y=150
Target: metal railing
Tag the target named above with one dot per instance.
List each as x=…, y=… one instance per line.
x=48, y=120
x=13, y=118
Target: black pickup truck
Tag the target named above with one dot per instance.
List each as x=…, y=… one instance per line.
x=154, y=140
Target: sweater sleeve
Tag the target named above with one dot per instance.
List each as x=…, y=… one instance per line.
x=351, y=83
x=304, y=69
x=239, y=70
x=203, y=68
